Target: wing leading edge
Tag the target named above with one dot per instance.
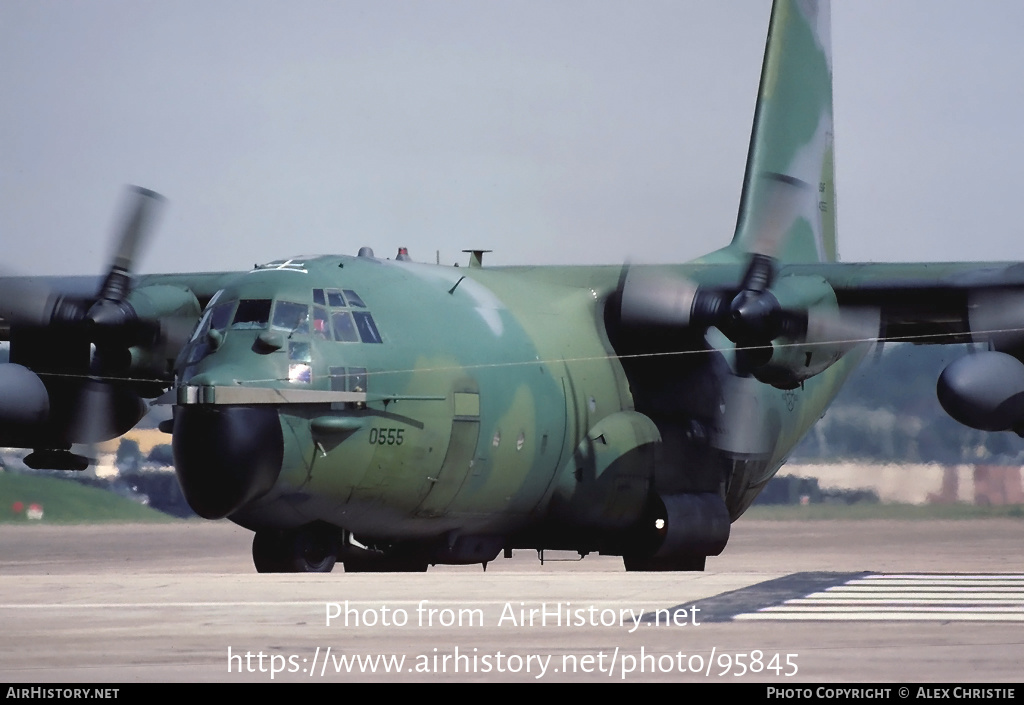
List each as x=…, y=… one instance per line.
x=933, y=303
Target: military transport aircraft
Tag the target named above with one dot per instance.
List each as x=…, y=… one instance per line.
x=393, y=414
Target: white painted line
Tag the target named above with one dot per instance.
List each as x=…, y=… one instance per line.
x=894, y=608
x=908, y=597
x=875, y=600
x=943, y=583
x=944, y=576
x=879, y=617
x=910, y=594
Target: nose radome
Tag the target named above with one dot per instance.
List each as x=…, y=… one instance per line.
x=226, y=456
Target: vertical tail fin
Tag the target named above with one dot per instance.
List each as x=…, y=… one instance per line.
x=787, y=209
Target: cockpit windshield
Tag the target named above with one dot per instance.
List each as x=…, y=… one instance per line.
x=338, y=315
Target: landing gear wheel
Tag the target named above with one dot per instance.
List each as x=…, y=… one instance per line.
x=310, y=549
x=268, y=552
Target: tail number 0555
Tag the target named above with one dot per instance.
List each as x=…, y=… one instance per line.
x=387, y=436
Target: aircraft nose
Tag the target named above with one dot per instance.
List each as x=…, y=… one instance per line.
x=226, y=456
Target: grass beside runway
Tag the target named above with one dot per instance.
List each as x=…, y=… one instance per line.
x=65, y=502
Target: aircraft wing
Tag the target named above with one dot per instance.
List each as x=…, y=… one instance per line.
x=944, y=303
x=202, y=285
x=932, y=303
x=925, y=303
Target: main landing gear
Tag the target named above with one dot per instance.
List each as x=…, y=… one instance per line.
x=310, y=549
x=316, y=548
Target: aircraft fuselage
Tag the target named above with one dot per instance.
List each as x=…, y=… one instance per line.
x=403, y=402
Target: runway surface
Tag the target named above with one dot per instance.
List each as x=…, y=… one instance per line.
x=788, y=602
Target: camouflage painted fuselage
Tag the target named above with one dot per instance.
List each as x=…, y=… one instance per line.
x=496, y=405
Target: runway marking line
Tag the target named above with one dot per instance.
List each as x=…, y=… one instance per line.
x=890, y=597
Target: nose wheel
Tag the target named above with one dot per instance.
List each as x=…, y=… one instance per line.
x=309, y=549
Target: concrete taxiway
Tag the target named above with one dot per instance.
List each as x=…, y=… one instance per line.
x=788, y=602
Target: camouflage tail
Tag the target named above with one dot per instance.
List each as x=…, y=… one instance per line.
x=787, y=209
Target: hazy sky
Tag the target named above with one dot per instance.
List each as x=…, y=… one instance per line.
x=550, y=131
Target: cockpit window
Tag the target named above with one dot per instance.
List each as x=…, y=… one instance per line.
x=335, y=299
x=220, y=315
x=291, y=317
x=300, y=357
x=348, y=379
x=353, y=298
x=201, y=327
x=367, y=328
x=252, y=314
x=299, y=352
x=350, y=325
x=214, y=318
x=344, y=327
x=321, y=323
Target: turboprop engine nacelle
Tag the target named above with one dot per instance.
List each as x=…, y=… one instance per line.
x=24, y=401
x=984, y=391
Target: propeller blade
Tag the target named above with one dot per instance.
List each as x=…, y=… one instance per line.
x=26, y=301
x=995, y=317
x=659, y=301
x=847, y=325
x=739, y=428
x=656, y=300
x=141, y=210
x=782, y=199
x=110, y=310
x=93, y=413
x=103, y=410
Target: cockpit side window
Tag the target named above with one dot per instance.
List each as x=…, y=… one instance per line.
x=291, y=317
x=220, y=315
x=348, y=379
x=367, y=328
x=214, y=318
x=252, y=314
x=201, y=327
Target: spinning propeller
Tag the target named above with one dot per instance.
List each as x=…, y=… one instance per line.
x=782, y=330
x=25, y=302
x=759, y=310
x=107, y=325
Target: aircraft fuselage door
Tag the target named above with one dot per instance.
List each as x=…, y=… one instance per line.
x=459, y=456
